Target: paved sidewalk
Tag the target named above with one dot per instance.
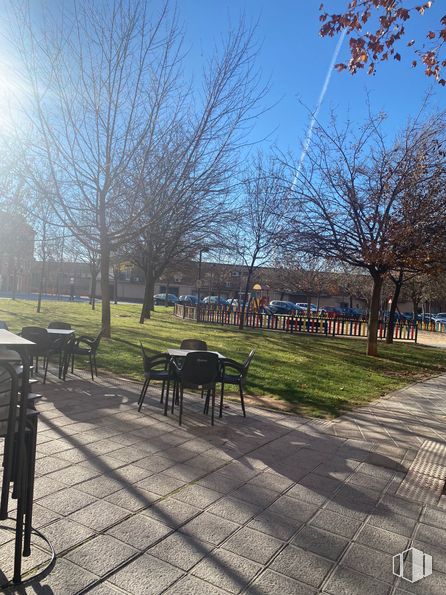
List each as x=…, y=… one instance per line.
x=271, y=504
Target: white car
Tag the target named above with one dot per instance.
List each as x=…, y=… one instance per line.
x=313, y=307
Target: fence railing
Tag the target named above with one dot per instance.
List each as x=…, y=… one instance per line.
x=436, y=327
x=296, y=324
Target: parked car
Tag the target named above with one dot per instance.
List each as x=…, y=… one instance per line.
x=215, y=300
x=351, y=312
x=303, y=306
x=440, y=317
x=188, y=300
x=283, y=307
x=331, y=311
x=160, y=299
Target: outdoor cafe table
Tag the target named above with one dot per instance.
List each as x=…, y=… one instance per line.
x=10, y=345
x=60, y=332
x=184, y=352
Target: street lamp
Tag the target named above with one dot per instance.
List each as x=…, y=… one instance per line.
x=202, y=251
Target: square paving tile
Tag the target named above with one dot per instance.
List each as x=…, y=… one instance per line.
x=197, y=495
x=139, y=531
x=301, y=565
x=172, y=512
x=210, y=528
x=320, y=542
x=234, y=509
x=345, y=581
x=295, y=509
x=146, y=576
x=253, y=544
x=65, y=533
x=273, y=583
x=371, y=562
x=99, y=515
x=227, y=570
x=274, y=524
x=183, y=551
x=191, y=585
x=382, y=540
x=161, y=484
x=101, y=554
x=132, y=498
x=66, y=501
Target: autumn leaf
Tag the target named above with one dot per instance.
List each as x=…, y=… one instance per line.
x=431, y=35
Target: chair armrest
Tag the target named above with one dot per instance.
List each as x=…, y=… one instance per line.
x=230, y=363
x=84, y=339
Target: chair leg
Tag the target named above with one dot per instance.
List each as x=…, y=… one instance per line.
x=166, y=400
x=242, y=400
x=91, y=367
x=30, y=492
x=162, y=391
x=176, y=394
x=143, y=393
x=221, y=399
x=46, y=368
x=213, y=404
x=180, y=417
x=72, y=363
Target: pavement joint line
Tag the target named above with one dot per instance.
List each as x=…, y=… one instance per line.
x=125, y=563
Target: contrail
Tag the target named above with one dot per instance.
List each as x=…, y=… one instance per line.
x=318, y=106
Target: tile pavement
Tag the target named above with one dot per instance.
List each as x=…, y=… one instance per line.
x=271, y=504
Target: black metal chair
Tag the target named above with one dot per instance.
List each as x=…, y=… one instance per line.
x=66, y=326
x=92, y=346
x=156, y=367
x=197, y=369
x=238, y=378
x=3, y=325
x=197, y=344
x=44, y=346
x=19, y=455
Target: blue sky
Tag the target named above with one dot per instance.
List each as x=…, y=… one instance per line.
x=296, y=59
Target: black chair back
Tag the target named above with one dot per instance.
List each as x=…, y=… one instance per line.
x=200, y=368
x=39, y=336
x=247, y=362
x=8, y=398
x=194, y=344
x=95, y=343
x=56, y=324
x=152, y=361
x=3, y=325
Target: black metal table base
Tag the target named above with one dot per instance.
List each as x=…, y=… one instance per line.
x=41, y=573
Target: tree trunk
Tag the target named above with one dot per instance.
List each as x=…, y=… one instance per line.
x=372, y=339
x=115, y=287
x=147, y=305
x=94, y=275
x=105, y=289
x=415, y=305
x=391, y=322
x=245, y=299
x=41, y=287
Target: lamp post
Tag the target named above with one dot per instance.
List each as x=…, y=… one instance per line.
x=202, y=251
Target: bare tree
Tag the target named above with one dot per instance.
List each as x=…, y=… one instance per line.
x=100, y=76
x=257, y=229
x=107, y=104
x=349, y=195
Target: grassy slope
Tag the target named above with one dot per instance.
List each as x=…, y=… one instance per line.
x=314, y=375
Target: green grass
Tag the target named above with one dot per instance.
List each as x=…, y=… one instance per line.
x=319, y=376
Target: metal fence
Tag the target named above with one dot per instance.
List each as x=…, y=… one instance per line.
x=296, y=324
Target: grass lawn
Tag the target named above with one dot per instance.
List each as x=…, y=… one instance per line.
x=312, y=375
